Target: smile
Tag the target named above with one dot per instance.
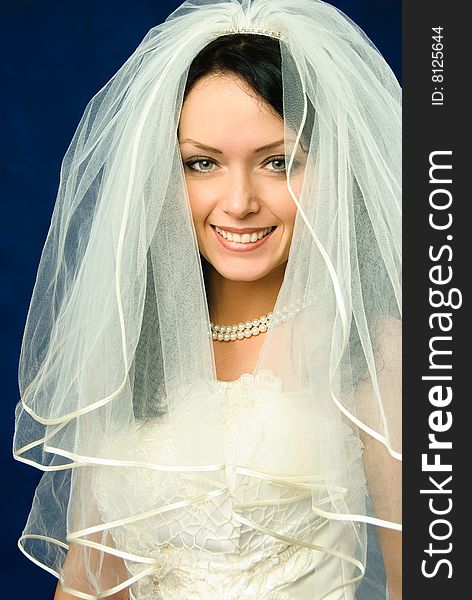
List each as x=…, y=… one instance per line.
x=244, y=238
x=247, y=240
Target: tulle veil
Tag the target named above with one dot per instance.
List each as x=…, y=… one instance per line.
x=118, y=327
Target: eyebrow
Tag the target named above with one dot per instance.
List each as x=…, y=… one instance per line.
x=216, y=151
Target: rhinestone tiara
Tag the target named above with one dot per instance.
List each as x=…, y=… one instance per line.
x=256, y=30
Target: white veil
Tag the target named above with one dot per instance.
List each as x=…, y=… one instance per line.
x=118, y=326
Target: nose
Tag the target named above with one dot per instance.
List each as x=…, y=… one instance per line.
x=240, y=197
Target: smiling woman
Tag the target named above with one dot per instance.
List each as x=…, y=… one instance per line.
x=210, y=370
x=243, y=193
x=241, y=208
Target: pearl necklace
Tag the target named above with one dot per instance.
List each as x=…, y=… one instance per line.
x=241, y=331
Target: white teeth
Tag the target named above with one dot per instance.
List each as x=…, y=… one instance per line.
x=245, y=238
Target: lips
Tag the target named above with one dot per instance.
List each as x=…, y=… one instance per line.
x=241, y=240
x=243, y=236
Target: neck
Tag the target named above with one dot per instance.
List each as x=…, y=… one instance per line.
x=232, y=302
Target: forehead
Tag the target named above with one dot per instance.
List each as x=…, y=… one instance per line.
x=221, y=105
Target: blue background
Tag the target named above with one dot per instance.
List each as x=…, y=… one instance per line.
x=55, y=57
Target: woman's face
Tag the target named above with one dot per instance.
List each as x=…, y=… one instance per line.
x=232, y=146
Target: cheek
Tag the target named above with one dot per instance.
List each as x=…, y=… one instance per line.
x=290, y=208
x=291, y=215
x=200, y=208
x=198, y=205
x=287, y=213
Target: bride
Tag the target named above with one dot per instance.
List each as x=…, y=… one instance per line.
x=210, y=372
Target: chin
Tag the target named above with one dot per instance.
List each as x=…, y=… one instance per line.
x=242, y=277
x=243, y=272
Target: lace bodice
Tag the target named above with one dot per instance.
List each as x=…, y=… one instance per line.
x=244, y=529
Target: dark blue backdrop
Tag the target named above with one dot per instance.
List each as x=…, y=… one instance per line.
x=55, y=57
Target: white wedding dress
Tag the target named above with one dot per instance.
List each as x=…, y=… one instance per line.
x=244, y=530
